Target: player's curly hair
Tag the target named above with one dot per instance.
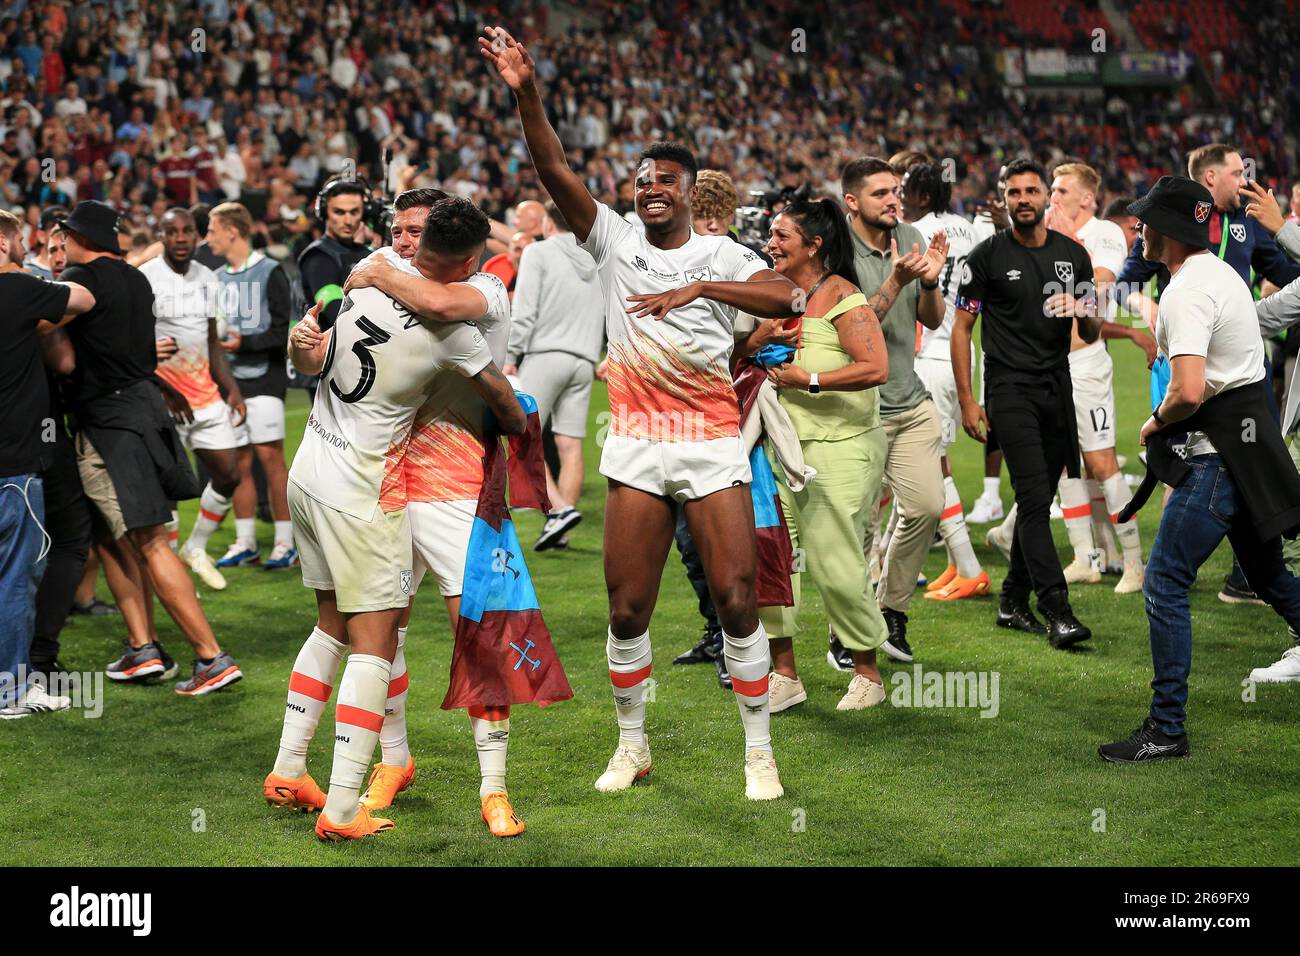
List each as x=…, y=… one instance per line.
x=715, y=196
x=455, y=227
x=927, y=180
x=674, y=153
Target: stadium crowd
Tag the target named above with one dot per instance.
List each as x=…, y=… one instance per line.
x=241, y=155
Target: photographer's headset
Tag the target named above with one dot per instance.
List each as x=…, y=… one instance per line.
x=372, y=210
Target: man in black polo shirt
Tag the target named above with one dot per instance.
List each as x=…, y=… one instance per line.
x=131, y=460
x=1030, y=284
x=25, y=428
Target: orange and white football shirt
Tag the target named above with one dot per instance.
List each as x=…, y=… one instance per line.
x=669, y=379
x=183, y=305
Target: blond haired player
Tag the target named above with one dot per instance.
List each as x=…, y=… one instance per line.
x=377, y=367
x=1075, y=188
x=443, y=475
x=671, y=302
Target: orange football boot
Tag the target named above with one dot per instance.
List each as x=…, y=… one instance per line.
x=295, y=793
x=386, y=782
x=500, y=816
x=362, y=825
x=960, y=587
x=942, y=580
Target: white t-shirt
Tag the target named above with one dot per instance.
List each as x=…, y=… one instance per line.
x=962, y=238
x=1207, y=310
x=380, y=368
x=669, y=379
x=1104, y=241
x=182, y=306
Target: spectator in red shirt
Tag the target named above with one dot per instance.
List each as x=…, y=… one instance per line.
x=204, y=158
x=52, y=67
x=505, y=265
x=178, y=171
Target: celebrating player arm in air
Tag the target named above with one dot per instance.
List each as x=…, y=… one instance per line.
x=671, y=297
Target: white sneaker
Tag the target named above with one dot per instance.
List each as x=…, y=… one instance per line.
x=628, y=765
x=1085, y=571
x=202, y=566
x=1000, y=539
x=1283, y=671
x=34, y=700
x=863, y=693
x=1054, y=512
x=761, y=779
x=1134, y=575
x=784, y=692
x=986, y=510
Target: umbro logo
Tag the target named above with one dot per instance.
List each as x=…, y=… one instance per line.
x=640, y=264
x=1013, y=275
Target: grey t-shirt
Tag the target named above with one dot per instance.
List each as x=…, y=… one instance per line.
x=904, y=390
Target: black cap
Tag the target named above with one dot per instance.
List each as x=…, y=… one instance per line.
x=1178, y=208
x=97, y=221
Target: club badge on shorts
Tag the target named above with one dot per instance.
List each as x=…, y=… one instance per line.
x=404, y=581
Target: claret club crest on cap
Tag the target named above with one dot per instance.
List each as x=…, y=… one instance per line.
x=1202, y=211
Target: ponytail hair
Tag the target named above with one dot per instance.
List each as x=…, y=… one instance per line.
x=823, y=218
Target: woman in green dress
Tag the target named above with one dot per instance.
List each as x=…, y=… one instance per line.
x=828, y=387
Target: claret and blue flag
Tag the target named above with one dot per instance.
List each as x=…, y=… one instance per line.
x=503, y=652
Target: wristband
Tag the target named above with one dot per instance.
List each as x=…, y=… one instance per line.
x=930, y=288
x=1155, y=413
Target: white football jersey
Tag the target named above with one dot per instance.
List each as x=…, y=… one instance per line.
x=963, y=236
x=379, y=369
x=1107, y=249
x=182, y=307
x=669, y=377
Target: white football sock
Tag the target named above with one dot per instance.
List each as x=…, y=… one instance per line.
x=246, y=532
x=310, y=683
x=629, y=670
x=1103, y=531
x=174, y=530
x=284, y=533
x=491, y=726
x=212, y=509
x=1117, y=496
x=358, y=715
x=993, y=489
x=1077, y=510
x=749, y=662
x=952, y=527
x=392, y=738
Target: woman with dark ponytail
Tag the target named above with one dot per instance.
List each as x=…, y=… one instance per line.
x=828, y=388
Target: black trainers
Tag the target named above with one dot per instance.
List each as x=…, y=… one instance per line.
x=1063, y=628
x=724, y=676
x=1232, y=594
x=170, y=667
x=896, y=645
x=1014, y=613
x=558, y=524
x=839, y=656
x=1146, y=744
x=96, y=608
x=708, y=649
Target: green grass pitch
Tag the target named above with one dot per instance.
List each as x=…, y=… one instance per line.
x=163, y=780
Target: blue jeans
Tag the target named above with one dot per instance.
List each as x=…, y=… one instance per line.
x=1200, y=514
x=22, y=515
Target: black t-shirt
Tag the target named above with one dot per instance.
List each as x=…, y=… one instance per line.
x=327, y=263
x=115, y=339
x=1007, y=284
x=24, y=395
